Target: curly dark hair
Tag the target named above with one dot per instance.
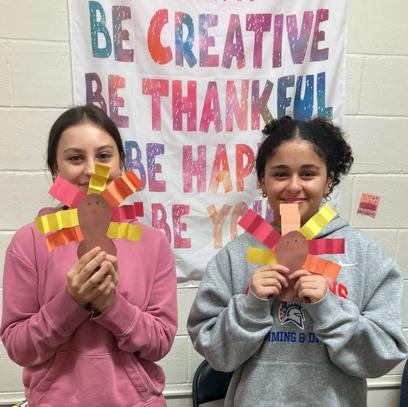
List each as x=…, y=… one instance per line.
x=326, y=138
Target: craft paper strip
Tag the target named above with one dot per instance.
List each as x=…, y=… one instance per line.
x=326, y=246
x=66, y=192
x=99, y=178
x=368, y=204
x=63, y=236
x=124, y=231
x=56, y=221
x=290, y=217
x=260, y=256
x=121, y=188
x=259, y=228
x=321, y=266
x=121, y=213
x=317, y=222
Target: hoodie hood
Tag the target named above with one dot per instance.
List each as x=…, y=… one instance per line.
x=335, y=225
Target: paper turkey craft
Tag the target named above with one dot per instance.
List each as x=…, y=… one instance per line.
x=294, y=248
x=95, y=218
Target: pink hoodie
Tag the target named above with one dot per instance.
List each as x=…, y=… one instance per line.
x=72, y=359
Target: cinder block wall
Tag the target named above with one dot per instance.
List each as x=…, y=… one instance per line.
x=35, y=87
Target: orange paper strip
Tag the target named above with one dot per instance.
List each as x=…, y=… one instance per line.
x=259, y=228
x=121, y=188
x=290, y=217
x=63, y=237
x=66, y=192
x=321, y=266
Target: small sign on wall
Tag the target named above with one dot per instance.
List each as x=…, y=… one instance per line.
x=368, y=204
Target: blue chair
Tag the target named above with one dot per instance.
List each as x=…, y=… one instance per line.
x=209, y=384
x=404, y=387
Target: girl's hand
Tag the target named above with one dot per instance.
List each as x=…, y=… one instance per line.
x=106, y=288
x=82, y=278
x=269, y=281
x=309, y=287
x=78, y=276
x=113, y=259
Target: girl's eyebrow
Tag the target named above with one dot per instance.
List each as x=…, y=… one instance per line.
x=278, y=166
x=103, y=147
x=79, y=150
x=310, y=166
x=72, y=150
x=287, y=166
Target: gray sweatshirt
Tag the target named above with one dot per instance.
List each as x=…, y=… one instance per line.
x=301, y=354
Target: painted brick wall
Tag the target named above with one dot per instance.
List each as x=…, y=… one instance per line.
x=35, y=87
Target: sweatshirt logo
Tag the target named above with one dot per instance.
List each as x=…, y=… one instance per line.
x=291, y=313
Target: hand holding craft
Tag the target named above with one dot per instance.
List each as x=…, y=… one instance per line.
x=107, y=286
x=295, y=251
x=269, y=281
x=83, y=279
x=309, y=287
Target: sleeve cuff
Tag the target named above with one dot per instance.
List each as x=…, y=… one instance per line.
x=256, y=306
x=64, y=313
x=119, y=317
x=322, y=312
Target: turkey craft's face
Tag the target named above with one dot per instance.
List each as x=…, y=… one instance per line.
x=291, y=252
x=94, y=214
x=80, y=148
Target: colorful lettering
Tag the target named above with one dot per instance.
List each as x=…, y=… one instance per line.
x=178, y=211
x=186, y=104
x=156, y=88
x=160, y=54
x=196, y=168
x=120, y=13
x=116, y=82
x=154, y=149
x=218, y=220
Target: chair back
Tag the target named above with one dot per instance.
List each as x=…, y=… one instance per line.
x=209, y=384
x=404, y=387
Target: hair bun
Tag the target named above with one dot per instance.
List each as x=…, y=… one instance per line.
x=274, y=124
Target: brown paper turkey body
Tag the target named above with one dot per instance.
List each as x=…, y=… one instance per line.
x=291, y=252
x=95, y=218
x=94, y=215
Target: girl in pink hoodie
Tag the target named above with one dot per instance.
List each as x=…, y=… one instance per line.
x=88, y=331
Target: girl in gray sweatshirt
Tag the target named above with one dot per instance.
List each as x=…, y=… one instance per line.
x=292, y=337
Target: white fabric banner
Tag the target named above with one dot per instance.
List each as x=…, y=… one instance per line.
x=191, y=84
